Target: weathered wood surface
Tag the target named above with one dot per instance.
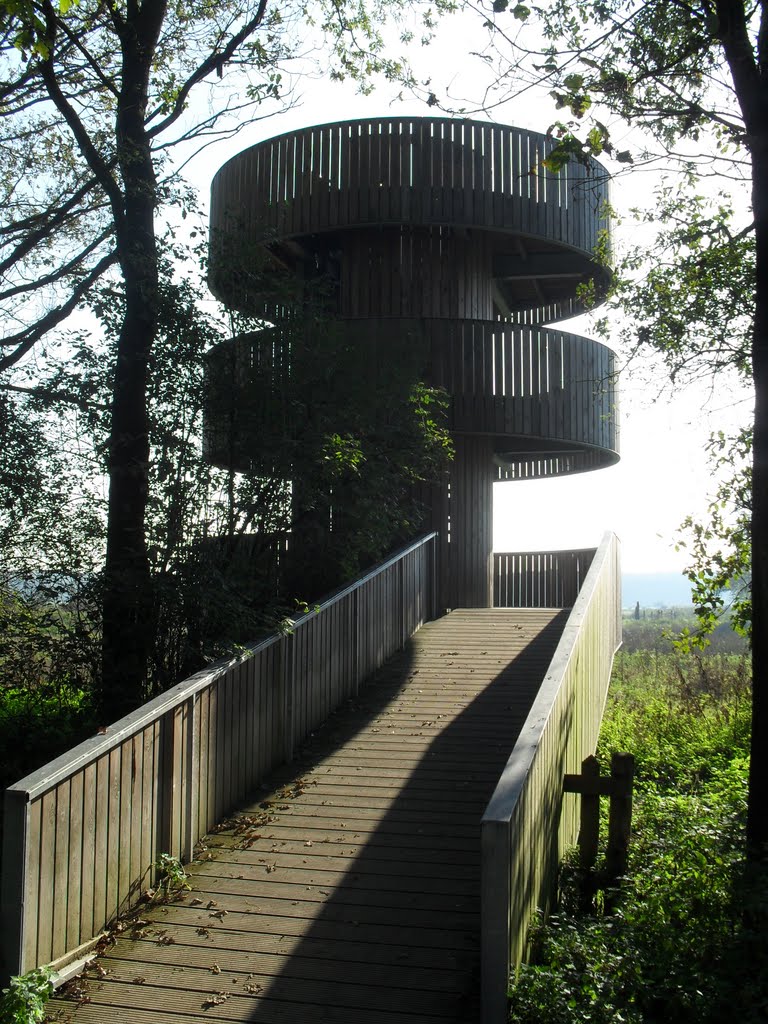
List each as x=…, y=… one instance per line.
x=529, y=823
x=82, y=834
x=349, y=891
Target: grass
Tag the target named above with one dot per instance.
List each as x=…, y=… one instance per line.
x=684, y=940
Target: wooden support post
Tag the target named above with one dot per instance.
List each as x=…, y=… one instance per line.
x=15, y=927
x=589, y=823
x=619, y=815
x=592, y=785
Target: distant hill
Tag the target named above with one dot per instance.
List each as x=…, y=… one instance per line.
x=655, y=590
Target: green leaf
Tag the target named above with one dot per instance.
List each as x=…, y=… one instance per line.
x=573, y=82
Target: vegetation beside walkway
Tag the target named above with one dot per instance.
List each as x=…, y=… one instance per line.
x=683, y=938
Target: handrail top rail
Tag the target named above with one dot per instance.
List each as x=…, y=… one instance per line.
x=550, y=551
x=89, y=750
x=502, y=802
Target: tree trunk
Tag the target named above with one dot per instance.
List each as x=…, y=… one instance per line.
x=757, y=815
x=128, y=620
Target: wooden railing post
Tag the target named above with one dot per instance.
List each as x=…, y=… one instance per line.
x=13, y=934
x=589, y=819
x=619, y=815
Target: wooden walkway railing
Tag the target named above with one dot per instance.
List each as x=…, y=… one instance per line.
x=82, y=834
x=539, y=579
x=529, y=823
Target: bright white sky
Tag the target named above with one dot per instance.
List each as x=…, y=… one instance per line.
x=663, y=475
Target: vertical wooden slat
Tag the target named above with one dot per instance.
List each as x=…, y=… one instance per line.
x=46, y=898
x=88, y=853
x=75, y=863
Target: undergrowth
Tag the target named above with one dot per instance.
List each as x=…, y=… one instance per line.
x=684, y=939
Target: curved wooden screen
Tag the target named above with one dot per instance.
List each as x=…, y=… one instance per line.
x=546, y=398
x=419, y=173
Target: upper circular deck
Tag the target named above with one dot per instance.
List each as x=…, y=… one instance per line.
x=302, y=192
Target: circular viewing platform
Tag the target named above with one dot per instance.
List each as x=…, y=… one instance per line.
x=430, y=185
x=546, y=400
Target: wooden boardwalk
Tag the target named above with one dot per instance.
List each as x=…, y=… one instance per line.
x=349, y=891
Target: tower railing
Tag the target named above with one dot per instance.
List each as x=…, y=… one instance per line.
x=539, y=579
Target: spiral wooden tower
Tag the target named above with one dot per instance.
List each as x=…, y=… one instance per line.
x=448, y=236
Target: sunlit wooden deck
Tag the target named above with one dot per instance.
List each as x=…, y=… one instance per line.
x=349, y=890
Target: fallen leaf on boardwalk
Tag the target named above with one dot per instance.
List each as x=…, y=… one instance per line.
x=215, y=1000
x=271, y=868
x=196, y=902
x=215, y=969
x=219, y=913
x=139, y=981
x=166, y=940
x=253, y=989
x=308, y=842
x=204, y=932
x=211, y=903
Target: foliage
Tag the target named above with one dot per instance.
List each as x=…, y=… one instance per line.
x=689, y=80
x=23, y=1002
x=691, y=294
x=352, y=426
x=683, y=942
x=213, y=536
x=684, y=717
x=96, y=124
x=172, y=878
x=48, y=658
x=720, y=546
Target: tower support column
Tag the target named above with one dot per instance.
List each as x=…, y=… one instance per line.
x=468, y=547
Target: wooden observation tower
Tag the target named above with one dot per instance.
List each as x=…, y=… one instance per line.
x=442, y=236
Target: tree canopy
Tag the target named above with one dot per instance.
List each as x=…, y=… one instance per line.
x=691, y=77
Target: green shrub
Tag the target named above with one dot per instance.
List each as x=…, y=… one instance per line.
x=23, y=1002
x=684, y=942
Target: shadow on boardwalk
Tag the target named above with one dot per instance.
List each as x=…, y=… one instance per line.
x=349, y=892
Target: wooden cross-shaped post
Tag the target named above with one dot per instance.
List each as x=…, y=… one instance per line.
x=618, y=786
